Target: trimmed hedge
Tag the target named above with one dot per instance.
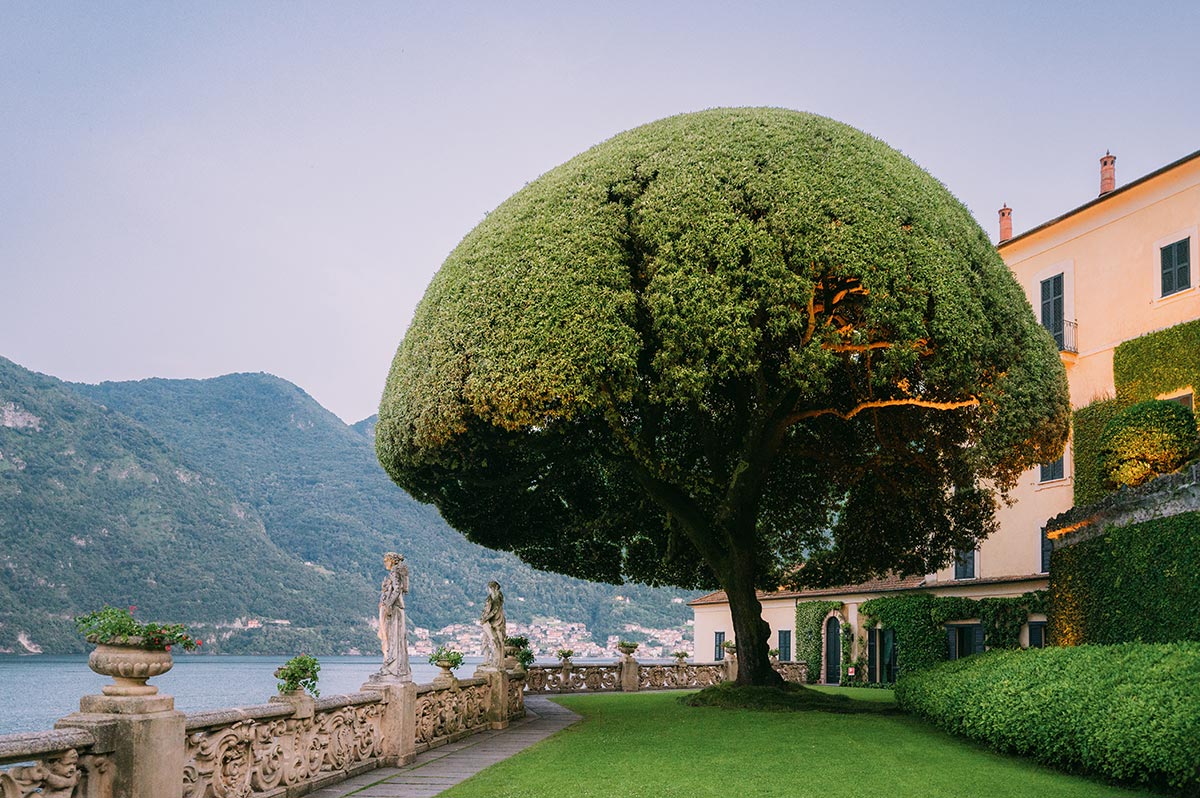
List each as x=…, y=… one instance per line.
x=1134, y=583
x=1158, y=363
x=1143, y=368
x=1087, y=426
x=1144, y=441
x=1130, y=713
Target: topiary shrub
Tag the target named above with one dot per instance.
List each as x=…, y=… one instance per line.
x=1130, y=713
x=1146, y=440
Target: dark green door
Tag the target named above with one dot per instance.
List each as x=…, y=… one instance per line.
x=833, y=651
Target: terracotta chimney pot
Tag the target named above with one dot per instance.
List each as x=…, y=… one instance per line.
x=1108, y=173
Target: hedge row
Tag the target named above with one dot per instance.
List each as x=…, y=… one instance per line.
x=1134, y=583
x=1130, y=713
x=1143, y=368
x=1158, y=363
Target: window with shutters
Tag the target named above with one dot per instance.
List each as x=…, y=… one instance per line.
x=964, y=564
x=785, y=645
x=1176, y=268
x=1047, y=550
x=1052, y=471
x=718, y=646
x=1052, y=308
x=963, y=640
x=1037, y=634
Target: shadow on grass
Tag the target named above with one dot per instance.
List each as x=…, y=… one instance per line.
x=788, y=698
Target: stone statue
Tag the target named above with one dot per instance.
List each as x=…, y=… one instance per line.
x=391, y=619
x=55, y=777
x=493, y=624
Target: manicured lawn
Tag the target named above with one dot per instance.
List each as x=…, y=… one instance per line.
x=648, y=744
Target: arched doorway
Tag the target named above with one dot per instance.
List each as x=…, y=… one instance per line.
x=833, y=651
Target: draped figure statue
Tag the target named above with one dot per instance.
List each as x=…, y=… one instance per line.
x=391, y=619
x=494, y=631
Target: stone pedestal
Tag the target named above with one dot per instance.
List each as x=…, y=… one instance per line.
x=302, y=704
x=730, y=667
x=497, y=711
x=399, y=718
x=629, y=674
x=144, y=734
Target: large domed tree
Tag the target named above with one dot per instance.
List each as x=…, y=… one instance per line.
x=741, y=348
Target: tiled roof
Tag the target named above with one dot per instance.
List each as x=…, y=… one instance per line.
x=884, y=585
x=888, y=584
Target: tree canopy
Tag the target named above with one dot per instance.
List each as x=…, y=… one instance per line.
x=720, y=347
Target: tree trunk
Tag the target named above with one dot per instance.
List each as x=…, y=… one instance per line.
x=751, y=632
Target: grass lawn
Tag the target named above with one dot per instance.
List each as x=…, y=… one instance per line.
x=648, y=744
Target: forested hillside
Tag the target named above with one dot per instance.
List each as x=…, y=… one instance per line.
x=319, y=489
x=96, y=509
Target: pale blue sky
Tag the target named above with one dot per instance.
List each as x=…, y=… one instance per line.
x=190, y=189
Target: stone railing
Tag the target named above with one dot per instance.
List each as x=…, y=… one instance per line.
x=297, y=744
x=138, y=746
x=65, y=763
x=573, y=678
x=628, y=675
x=446, y=714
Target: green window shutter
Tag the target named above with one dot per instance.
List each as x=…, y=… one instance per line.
x=1176, y=267
x=978, y=647
x=952, y=641
x=872, y=650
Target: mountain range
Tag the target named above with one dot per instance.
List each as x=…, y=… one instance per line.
x=242, y=507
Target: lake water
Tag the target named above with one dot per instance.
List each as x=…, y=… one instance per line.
x=35, y=691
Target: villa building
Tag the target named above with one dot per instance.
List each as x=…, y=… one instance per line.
x=1122, y=265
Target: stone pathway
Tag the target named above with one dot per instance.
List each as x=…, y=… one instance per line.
x=441, y=768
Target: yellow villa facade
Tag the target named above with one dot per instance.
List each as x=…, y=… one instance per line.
x=1119, y=266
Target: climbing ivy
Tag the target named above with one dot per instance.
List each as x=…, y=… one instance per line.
x=919, y=622
x=810, y=630
x=1134, y=583
x=1143, y=368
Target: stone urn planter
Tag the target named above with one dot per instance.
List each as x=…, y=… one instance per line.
x=129, y=664
x=446, y=677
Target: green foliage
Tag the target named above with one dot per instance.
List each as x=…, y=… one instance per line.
x=1146, y=440
x=625, y=346
x=297, y=673
x=448, y=655
x=810, y=633
x=117, y=626
x=786, y=698
x=565, y=653
x=1134, y=583
x=1088, y=425
x=919, y=622
x=1146, y=367
x=1158, y=363
x=1129, y=713
x=524, y=653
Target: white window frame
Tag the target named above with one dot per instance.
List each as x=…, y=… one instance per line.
x=1191, y=234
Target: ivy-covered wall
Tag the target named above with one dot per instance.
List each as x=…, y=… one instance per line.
x=810, y=630
x=918, y=620
x=1158, y=363
x=1134, y=583
x=1143, y=368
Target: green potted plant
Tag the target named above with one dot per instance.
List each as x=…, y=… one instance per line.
x=299, y=674
x=448, y=660
x=680, y=657
x=627, y=647
x=130, y=651
x=564, y=655
x=518, y=648
x=730, y=647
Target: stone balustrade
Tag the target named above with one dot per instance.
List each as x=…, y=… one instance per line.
x=140, y=747
x=64, y=763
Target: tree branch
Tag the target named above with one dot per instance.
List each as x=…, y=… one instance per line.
x=849, y=414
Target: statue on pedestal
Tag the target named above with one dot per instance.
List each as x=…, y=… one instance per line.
x=494, y=631
x=391, y=621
